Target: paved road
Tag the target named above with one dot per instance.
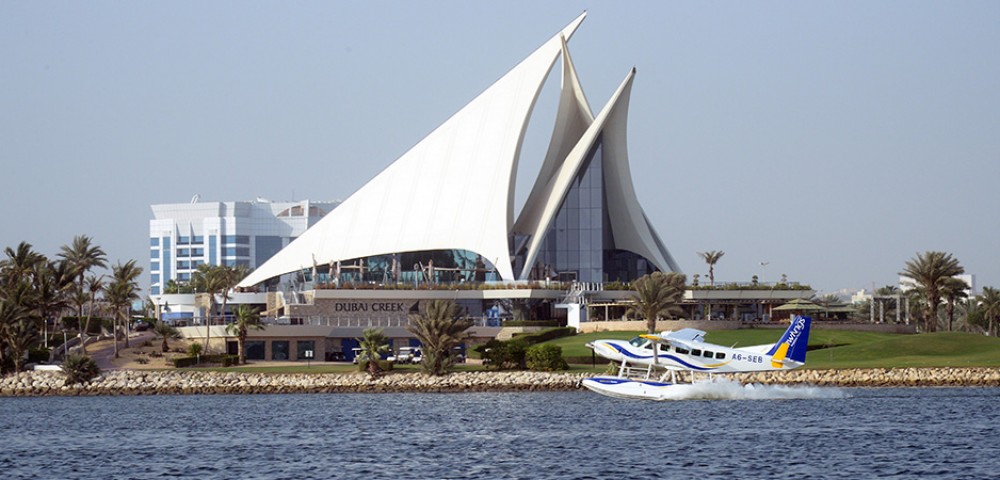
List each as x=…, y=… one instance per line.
x=105, y=351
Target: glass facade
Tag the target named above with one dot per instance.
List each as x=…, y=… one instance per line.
x=266, y=247
x=578, y=245
x=573, y=248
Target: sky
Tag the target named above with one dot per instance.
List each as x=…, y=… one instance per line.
x=831, y=141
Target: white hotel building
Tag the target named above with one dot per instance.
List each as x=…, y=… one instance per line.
x=185, y=235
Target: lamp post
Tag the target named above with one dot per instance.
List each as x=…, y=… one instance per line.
x=763, y=269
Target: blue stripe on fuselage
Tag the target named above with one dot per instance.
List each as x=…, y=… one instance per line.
x=669, y=357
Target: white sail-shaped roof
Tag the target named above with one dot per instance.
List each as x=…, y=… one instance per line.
x=453, y=190
x=630, y=228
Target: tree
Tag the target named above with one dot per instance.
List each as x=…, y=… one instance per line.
x=953, y=289
x=210, y=279
x=711, y=258
x=246, y=318
x=92, y=287
x=928, y=272
x=440, y=329
x=18, y=326
x=52, y=283
x=165, y=331
x=20, y=262
x=989, y=308
x=81, y=256
x=121, y=292
x=657, y=295
x=373, y=343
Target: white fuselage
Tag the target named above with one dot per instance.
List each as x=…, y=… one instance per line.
x=696, y=356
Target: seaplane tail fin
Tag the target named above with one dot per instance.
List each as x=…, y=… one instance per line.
x=791, y=348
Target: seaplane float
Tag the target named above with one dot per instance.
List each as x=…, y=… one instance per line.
x=676, y=353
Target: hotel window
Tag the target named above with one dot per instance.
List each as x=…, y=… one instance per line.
x=183, y=252
x=198, y=240
x=279, y=350
x=254, y=349
x=197, y=252
x=183, y=240
x=154, y=266
x=183, y=265
x=154, y=242
x=154, y=254
x=154, y=278
x=302, y=346
x=184, y=277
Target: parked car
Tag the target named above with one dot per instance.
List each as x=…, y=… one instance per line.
x=404, y=355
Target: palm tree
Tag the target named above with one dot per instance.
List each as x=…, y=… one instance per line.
x=928, y=272
x=209, y=279
x=18, y=320
x=165, y=331
x=52, y=283
x=230, y=277
x=953, y=289
x=20, y=262
x=246, y=318
x=81, y=256
x=440, y=330
x=93, y=285
x=711, y=258
x=373, y=343
x=121, y=292
x=989, y=306
x=657, y=295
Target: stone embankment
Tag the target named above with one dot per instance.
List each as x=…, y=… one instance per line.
x=139, y=382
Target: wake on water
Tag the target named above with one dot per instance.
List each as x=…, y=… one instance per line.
x=723, y=389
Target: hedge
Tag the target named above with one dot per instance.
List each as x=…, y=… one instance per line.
x=545, y=358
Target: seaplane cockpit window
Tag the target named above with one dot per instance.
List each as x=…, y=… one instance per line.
x=638, y=341
x=696, y=353
x=720, y=355
x=708, y=354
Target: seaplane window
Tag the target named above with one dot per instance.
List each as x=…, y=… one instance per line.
x=637, y=341
x=664, y=347
x=682, y=351
x=708, y=354
x=720, y=355
x=696, y=353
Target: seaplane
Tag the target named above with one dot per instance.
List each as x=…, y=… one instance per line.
x=675, y=353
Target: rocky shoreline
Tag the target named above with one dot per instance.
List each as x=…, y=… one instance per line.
x=176, y=382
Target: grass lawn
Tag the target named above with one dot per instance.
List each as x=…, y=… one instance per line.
x=827, y=349
x=845, y=349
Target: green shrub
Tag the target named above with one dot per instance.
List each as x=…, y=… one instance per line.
x=183, y=362
x=531, y=323
x=79, y=369
x=38, y=355
x=194, y=349
x=546, y=335
x=74, y=323
x=383, y=365
x=545, y=358
x=142, y=360
x=503, y=355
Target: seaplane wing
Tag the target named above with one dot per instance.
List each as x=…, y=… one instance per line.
x=686, y=350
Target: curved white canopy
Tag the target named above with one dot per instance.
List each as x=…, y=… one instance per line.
x=452, y=190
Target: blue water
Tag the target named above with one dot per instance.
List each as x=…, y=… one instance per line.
x=849, y=433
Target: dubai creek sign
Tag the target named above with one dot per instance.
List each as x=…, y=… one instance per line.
x=371, y=307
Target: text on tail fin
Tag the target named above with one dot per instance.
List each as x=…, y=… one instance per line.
x=793, y=344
